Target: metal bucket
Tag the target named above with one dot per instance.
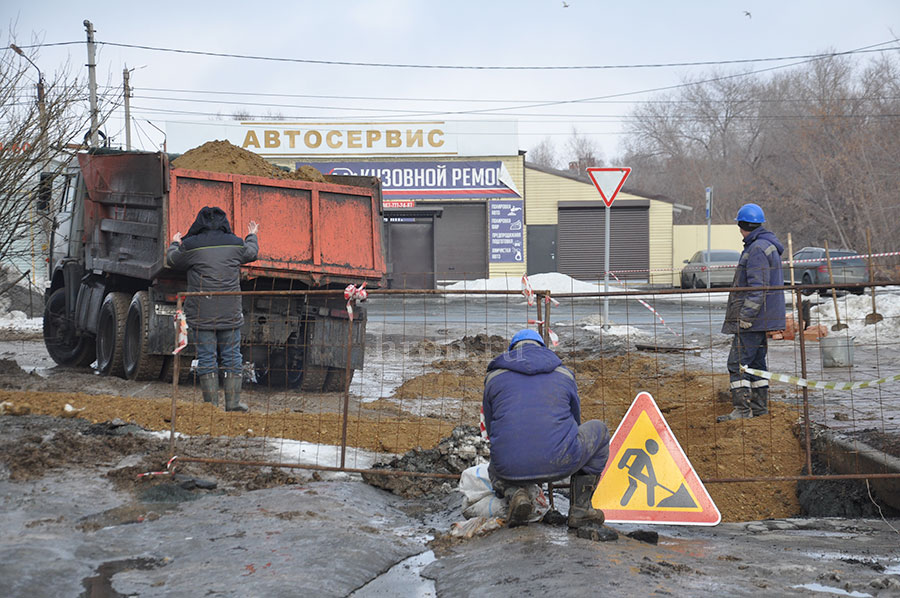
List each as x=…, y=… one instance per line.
x=836, y=351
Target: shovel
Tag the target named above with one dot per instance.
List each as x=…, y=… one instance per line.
x=837, y=316
x=874, y=317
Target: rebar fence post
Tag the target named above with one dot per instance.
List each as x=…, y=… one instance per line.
x=176, y=367
x=347, y=371
x=802, y=329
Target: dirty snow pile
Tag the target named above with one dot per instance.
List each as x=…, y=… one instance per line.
x=853, y=309
x=17, y=320
x=554, y=282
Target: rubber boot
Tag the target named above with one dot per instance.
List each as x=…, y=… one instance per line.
x=233, y=393
x=519, y=508
x=740, y=399
x=581, y=512
x=209, y=384
x=759, y=401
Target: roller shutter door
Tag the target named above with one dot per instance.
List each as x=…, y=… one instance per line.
x=581, y=240
x=460, y=238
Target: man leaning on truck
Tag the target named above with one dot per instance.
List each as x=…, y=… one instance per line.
x=212, y=256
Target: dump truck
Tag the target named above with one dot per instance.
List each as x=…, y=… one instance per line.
x=111, y=300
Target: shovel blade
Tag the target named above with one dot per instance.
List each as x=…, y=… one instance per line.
x=873, y=318
x=841, y=326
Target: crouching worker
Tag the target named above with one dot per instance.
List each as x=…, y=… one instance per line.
x=212, y=256
x=533, y=418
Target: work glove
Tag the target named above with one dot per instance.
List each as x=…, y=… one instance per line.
x=745, y=324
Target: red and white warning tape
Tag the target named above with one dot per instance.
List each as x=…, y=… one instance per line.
x=181, y=333
x=650, y=307
x=170, y=469
x=354, y=293
x=527, y=291
x=554, y=338
x=484, y=433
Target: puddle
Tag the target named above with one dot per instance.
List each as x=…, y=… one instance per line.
x=100, y=585
x=817, y=587
x=403, y=580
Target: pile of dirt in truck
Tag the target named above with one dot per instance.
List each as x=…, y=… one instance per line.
x=222, y=156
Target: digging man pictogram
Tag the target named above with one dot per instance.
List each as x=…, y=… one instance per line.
x=640, y=469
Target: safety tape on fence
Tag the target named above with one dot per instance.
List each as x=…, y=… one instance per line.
x=798, y=381
x=784, y=263
x=648, y=306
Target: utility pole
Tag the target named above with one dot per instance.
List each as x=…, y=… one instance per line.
x=92, y=83
x=125, y=76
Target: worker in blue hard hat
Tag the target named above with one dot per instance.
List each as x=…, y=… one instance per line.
x=750, y=314
x=532, y=415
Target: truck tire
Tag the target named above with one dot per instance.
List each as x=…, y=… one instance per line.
x=313, y=379
x=185, y=375
x=280, y=366
x=111, y=334
x=138, y=362
x=63, y=345
x=334, y=381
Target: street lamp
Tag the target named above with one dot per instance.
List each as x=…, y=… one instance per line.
x=40, y=97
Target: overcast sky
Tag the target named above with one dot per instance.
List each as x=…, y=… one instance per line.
x=485, y=33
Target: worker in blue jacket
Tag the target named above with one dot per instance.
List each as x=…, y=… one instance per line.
x=750, y=314
x=532, y=414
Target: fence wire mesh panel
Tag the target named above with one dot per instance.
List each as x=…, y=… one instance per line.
x=418, y=360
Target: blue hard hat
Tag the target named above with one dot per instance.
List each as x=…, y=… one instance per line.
x=525, y=335
x=750, y=212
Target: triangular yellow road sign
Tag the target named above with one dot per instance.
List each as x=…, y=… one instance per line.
x=648, y=478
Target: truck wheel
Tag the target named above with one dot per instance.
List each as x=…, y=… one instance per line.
x=111, y=334
x=185, y=376
x=313, y=377
x=334, y=381
x=63, y=345
x=138, y=362
x=280, y=366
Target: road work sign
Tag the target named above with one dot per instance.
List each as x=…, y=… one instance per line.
x=648, y=478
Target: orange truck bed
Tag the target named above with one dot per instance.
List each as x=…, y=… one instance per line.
x=310, y=231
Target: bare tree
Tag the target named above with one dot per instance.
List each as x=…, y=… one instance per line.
x=241, y=114
x=582, y=153
x=39, y=137
x=544, y=154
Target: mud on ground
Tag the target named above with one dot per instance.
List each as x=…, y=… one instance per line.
x=761, y=447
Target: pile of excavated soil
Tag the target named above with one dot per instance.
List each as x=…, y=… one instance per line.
x=222, y=156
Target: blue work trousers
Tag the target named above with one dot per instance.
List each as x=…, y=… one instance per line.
x=215, y=347
x=749, y=349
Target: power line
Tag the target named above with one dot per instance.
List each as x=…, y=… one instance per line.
x=868, y=49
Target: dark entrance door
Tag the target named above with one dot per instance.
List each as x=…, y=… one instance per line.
x=460, y=237
x=411, y=254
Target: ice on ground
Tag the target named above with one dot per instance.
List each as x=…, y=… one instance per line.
x=853, y=309
x=308, y=453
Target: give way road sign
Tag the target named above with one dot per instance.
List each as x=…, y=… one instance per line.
x=608, y=181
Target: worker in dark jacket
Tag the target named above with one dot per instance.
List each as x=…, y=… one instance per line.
x=750, y=314
x=533, y=419
x=212, y=256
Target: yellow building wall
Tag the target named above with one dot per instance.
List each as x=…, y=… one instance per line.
x=688, y=239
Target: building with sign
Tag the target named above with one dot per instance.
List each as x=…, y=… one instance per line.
x=460, y=202
x=453, y=191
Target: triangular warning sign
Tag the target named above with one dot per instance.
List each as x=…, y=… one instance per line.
x=608, y=181
x=648, y=478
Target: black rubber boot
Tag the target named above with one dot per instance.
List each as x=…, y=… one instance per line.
x=209, y=384
x=581, y=512
x=740, y=398
x=759, y=401
x=519, y=508
x=233, y=393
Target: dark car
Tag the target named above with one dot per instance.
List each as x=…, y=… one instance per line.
x=811, y=267
x=722, y=264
